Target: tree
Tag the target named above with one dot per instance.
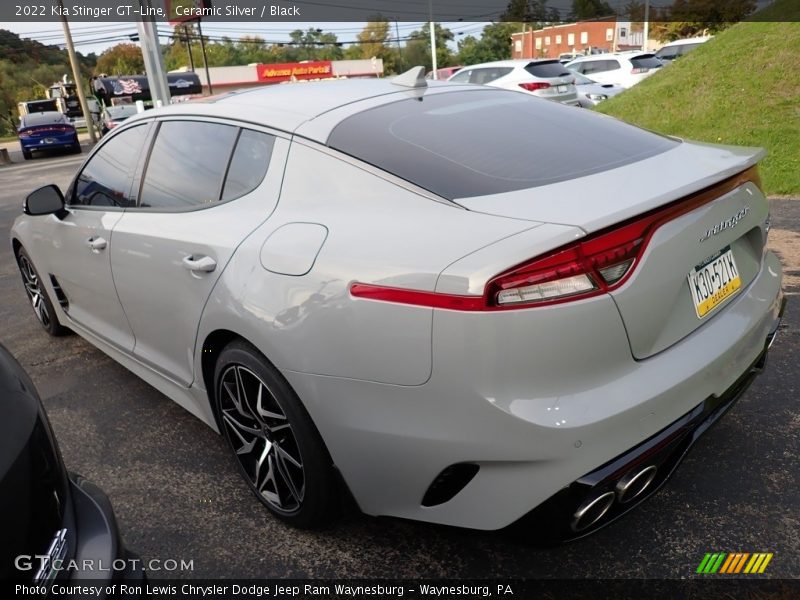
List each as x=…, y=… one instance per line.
x=314, y=44
x=375, y=41
x=418, y=50
x=494, y=44
x=589, y=9
x=688, y=18
x=122, y=59
x=531, y=11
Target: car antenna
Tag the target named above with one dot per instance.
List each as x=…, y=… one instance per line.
x=413, y=78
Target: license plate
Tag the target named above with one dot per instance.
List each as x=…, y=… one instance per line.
x=561, y=89
x=49, y=141
x=714, y=281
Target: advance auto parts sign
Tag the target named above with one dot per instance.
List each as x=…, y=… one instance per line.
x=295, y=71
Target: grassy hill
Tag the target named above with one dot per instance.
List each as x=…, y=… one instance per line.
x=742, y=87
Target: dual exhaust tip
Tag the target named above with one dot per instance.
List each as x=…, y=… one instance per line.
x=629, y=487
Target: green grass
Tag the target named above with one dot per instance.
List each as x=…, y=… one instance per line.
x=742, y=87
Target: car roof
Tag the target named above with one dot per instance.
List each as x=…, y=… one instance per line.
x=512, y=62
x=694, y=40
x=316, y=106
x=605, y=55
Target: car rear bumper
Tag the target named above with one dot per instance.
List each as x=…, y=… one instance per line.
x=564, y=515
x=40, y=144
x=536, y=399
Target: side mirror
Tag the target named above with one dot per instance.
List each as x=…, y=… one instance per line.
x=47, y=200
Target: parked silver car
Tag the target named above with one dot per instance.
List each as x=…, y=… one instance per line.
x=546, y=78
x=592, y=93
x=463, y=304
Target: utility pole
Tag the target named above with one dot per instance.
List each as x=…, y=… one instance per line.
x=153, y=61
x=76, y=74
x=205, y=58
x=646, y=24
x=399, y=49
x=185, y=30
x=433, y=40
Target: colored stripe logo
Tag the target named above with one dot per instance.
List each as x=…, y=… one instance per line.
x=734, y=562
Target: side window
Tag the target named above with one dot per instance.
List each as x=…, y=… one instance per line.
x=611, y=65
x=105, y=179
x=249, y=164
x=187, y=164
x=462, y=76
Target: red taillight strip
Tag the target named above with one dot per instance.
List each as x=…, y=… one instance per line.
x=417, y=297
x=647, y=224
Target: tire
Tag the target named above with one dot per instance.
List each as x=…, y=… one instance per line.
x=76, y=148
x=27, y=154
x=296, y=481
x=37, y=295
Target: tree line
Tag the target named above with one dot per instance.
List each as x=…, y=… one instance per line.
x=28, y=68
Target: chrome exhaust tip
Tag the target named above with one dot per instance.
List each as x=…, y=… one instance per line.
x=591, y=511
x=634, y=483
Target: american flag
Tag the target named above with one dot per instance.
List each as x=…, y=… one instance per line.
x=127, y=87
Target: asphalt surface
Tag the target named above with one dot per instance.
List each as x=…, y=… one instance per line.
x=178, y=496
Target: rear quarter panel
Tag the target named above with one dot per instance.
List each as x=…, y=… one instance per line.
x=378, y=232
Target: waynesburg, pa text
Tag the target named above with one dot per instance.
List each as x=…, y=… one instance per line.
x=275, y=590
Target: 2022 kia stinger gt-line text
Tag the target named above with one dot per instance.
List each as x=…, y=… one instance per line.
x=467, y=305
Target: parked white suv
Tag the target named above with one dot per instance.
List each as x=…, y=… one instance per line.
x=676, y=49
x=625, y=69
x=546, y=78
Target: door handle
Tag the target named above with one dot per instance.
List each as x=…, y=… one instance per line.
x=205, y=264
x=96, y=244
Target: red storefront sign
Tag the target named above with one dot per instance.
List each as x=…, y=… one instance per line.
x=275, y=73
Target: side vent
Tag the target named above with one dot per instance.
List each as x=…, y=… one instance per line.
x=449, y=482
x=60, y=296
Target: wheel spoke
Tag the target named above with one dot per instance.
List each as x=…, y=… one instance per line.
x=287, y=479
x=240, y=431
x=285, y=455
x=263, y=412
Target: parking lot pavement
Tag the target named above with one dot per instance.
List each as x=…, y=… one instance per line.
x=177, y=494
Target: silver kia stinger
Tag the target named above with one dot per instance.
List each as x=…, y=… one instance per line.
x=461, y=304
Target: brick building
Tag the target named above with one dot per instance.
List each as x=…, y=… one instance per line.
x=607, y=35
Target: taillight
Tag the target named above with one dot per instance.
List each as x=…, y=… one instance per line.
x=534, y=85
x=45, y=129
x=597, y=264
x=638, y=70
x=592, y=266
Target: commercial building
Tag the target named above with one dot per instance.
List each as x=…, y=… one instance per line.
x=585, y=37
x=246, y=76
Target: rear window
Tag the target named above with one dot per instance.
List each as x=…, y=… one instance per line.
x=551, y=68
x=46, y=118
x=646, y=61
x=469, y=143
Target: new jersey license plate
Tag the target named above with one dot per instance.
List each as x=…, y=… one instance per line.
x=714, y=281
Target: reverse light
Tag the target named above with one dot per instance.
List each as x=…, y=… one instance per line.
x=569, y=286
x=534, y=85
